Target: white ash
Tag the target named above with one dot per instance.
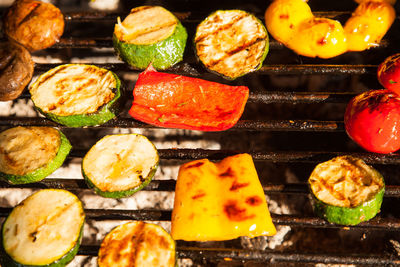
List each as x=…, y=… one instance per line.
x=105, y=5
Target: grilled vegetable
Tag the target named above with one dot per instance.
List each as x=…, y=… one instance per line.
x=389, y=73
x=77, y=95
x=372, y=120
x=292, y=23
x=137, y=244
x=368, y=24
x=34, y=24
x=231, y=43
x=282, y=18
x=150, y=34
x=346, y=191
x=120, y=165
x=319, y=37
x=43, y=230
x=388, y=1
x=16, y=70
x=29, y=154
x=220, y=201
x=169, y=100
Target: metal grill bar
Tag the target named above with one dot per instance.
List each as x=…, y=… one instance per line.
x=268, y=97
x=248, y=125
x=290, y=220
x=169, y=185
x=265, y=69
x=266, y=255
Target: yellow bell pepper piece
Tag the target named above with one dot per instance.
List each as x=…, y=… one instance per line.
x=220, y=201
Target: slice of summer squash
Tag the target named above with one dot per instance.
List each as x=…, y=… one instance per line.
x=346, y=190
x=137, y=244
x=231, y=43
x=78, y=95
x=44, y=230
x=150, y=34
x=220, y=201
x=120, y=165
x=29, y=154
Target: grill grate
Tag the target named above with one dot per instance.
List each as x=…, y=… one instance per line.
x=385, y=225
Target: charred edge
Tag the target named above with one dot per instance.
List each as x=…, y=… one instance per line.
x=221, y=28
x=30, y=14
x=195, y=165
x=235, y=51
x=136, y=10
x=198, y=195
x=254, y=201
x=235, y=186
x=234, y=212
x=228, y=173
x=49, y=76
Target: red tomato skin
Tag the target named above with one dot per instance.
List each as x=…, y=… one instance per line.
x=372, y=120
x=389, y=73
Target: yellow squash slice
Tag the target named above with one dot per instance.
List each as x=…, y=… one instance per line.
x=220, y=201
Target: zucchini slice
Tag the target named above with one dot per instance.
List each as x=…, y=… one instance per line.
x=346, y=190
x=231, y=43
x=137, y=244
x=43, y=230
x=29, y=154
x=120, y=165
x=77, y=95
x=150, y=34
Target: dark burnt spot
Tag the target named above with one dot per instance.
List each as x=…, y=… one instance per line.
x=322, y=41
x=33, y=235
x=291, y=26
x=228, y=173
x=284, y=16
x=236, y=213
x=254, y=201
x=195, y=165
x=16, y=229
x=235, y=185
x=225, y=114
x=200, y=195
x=52, y=107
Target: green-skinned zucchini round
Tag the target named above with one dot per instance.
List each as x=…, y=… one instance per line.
x=231, y=43
x=137, y=244
x=29, y=154
x=44, y=230
x=346, y=190
x=150, y=34
x=120, y=165
x=78, y=95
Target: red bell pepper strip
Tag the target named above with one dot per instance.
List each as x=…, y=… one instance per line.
x=176, y=101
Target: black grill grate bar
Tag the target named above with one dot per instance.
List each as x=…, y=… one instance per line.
x=266, y=256
x=377, y=223
x=226, y=254
x=265, y=69
x=248, y=125
x=169, y=185
x=276, y=156
x=268, y=97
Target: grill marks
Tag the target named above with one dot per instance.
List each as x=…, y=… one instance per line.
x=146, y=25
x=231, y=42
x=31, y=13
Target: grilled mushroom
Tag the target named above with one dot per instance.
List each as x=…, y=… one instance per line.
x=16, y=70
x=34, y=24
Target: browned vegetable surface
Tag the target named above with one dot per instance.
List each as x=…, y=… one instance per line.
x=16, y=69
x=34, y=24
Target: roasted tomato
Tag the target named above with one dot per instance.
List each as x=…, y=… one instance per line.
x=372, y=120
x=389, y=73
